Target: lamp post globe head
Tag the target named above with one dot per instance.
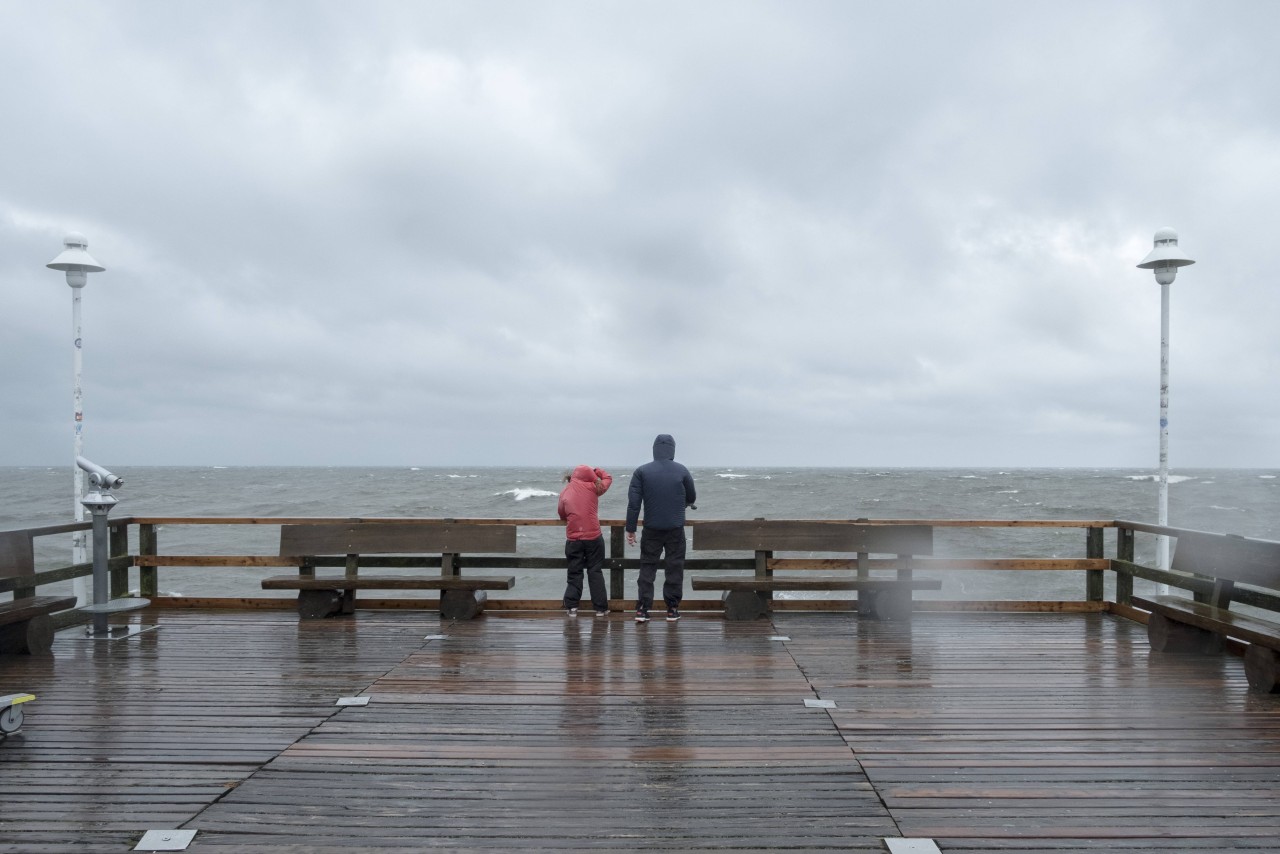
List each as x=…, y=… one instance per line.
x=75, y=260
x=1165, y=257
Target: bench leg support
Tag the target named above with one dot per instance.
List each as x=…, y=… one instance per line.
x=33, y=636
x=462, y=604
x=1166, y=635
x=318, y=604
x=1262, y=667
x=744, y=604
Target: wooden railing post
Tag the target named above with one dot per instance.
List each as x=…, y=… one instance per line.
x=1094, y=589
x=864, y=572
x=763, y=570
x=617, y=552
x=866, y=602
x=352, y=570
x=148, y=576
x=1124, y=551
x=118, y=546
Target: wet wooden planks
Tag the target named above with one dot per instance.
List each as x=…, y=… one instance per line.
x=543, y=732
x=1041, y=732
x=145, y=732
x=988, y=732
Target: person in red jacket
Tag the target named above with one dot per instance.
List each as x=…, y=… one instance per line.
x=584, y=542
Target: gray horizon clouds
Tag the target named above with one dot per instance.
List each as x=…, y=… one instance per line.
x=812, y=233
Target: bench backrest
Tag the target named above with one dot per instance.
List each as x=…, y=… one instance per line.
x=1255, y=562
x=16, y=558
x=785, y=536
x=397, y=538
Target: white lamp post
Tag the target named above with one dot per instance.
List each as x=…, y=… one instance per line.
x=1165, y=259
x=77, y=263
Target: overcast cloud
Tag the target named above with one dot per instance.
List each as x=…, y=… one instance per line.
x=789, y=233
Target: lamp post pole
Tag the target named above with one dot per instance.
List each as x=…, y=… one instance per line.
x=77, y=416
x=1164, y=260
x=77, y=263
x=1162, y=547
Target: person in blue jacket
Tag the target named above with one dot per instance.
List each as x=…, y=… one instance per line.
x=664, y=488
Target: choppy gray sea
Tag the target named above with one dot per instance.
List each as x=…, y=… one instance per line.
x=1237, y=501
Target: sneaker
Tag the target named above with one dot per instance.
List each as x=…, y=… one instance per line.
x=602, y=614
x=673, y=614
x=573, y=612
x=642, y=616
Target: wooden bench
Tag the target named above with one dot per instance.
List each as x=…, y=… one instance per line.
x=461, y=598
x=1178, y=624
x=749, y=597
x=25, y=624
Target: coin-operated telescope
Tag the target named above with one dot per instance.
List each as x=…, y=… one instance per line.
x=99, y=502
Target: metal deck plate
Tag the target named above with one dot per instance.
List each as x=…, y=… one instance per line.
x=912, y=846
x=779, y=637
x=165, y=840
x=352, y=701
x=435, y=637
x=820, y=704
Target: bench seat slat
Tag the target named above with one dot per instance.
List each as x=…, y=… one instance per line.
x=1231, y=623
x=389, y=582
x=812, y=584
x=34, y=606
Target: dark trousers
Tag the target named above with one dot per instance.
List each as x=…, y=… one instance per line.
x=669, y=546
x=588, y=555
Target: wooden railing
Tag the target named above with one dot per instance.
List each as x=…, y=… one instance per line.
x=149, y=558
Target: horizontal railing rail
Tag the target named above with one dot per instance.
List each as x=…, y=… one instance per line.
x=149, y=559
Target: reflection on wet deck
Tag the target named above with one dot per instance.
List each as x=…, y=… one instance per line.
x=1026, y=732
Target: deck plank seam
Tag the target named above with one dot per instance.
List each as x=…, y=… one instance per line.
x=186, y=825
x=853, y=754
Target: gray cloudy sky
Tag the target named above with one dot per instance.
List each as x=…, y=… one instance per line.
x=799, y=233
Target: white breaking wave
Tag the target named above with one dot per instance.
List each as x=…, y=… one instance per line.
x=719, y=474
x=1220, y=507
x=1173, y=478
x=1267, y=476
x=522, y=493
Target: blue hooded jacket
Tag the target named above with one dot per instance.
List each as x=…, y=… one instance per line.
x=663, y=486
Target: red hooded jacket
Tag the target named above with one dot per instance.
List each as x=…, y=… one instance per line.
x=580, y=502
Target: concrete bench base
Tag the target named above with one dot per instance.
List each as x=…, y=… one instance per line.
x=1262, y=669
x=461, y=598
x=1169, y=635
x=747, y=598
x=25, y=625
x=1178, y=625
x=454, y=604
x=886, y=604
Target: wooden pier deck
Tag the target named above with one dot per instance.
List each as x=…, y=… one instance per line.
x=985, y=732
